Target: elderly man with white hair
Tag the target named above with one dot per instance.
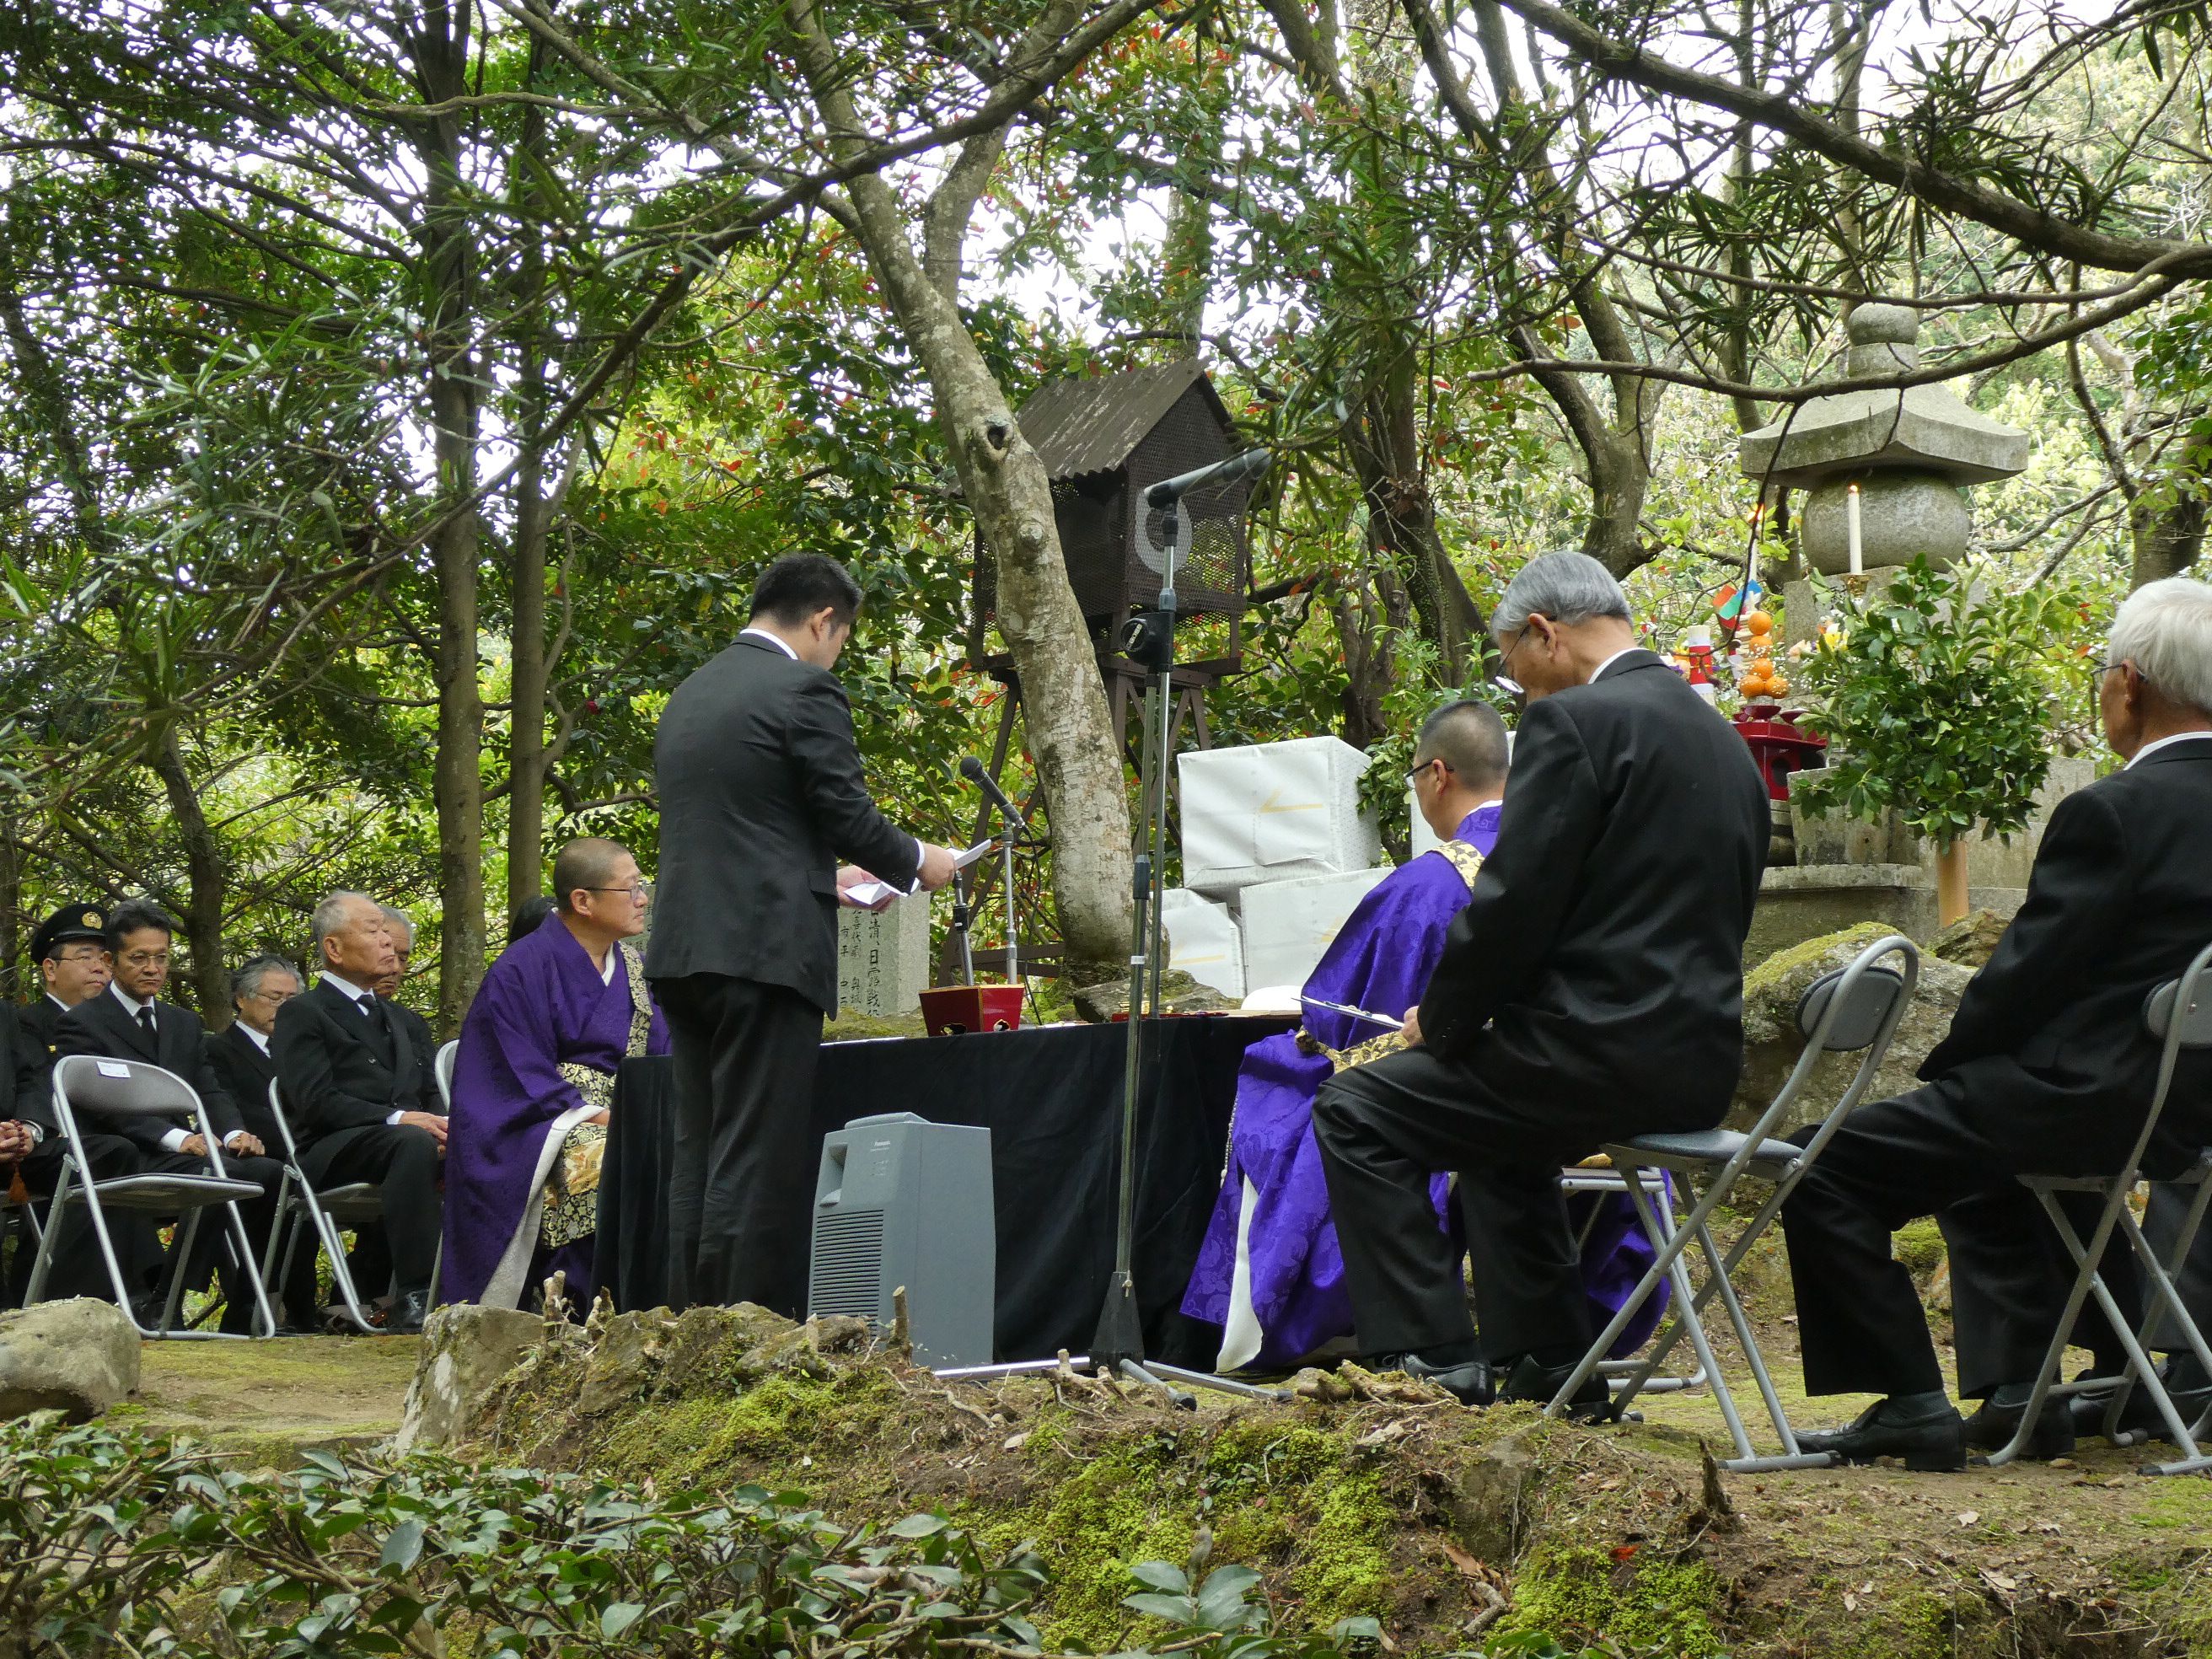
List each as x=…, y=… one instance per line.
x=1591, y=989
x=2047, y=1071
x=360, y=1094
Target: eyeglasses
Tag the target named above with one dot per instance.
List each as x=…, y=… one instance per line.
x=640, y=891
x=273, y=998
x=83, y=953
x=1414, y=778
x=146, y=959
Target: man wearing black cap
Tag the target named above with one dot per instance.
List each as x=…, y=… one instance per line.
x=31, y=1140
x=130, y=1021
x=70, y=947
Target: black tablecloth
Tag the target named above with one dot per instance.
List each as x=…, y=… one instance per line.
x=1052, y=1099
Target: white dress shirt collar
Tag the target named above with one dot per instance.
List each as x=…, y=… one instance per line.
x=2150, y=749
x=1599, y=672
x=353, y=992
x=127, y=999
x=777, y=641
x=253, y=1037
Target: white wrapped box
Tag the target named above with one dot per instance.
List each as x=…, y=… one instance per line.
x=1288, y=924
x=1203, y=940
x=883, y=960
x=1274, y=811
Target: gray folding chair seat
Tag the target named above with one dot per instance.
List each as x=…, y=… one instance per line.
x=1855, y=1010
x=2176, y=1016
x=324, y=1215
x=130, y=1088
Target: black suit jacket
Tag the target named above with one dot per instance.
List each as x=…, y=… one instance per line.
x=425, y=1046
x=761, y=795
x=41, y=1019
x=102, y=1025
x=245, y=1070
x=1603, y=944
x=2119, y=901
x=23, y=1072
x=334, y=1075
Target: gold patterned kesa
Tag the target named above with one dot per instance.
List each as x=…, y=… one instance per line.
x=572, y=1193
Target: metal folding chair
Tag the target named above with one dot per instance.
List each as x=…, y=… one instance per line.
x=1853, y=1011
x=2176, y=1016
x=127, y=1089
x=1594, y=1179
x=19, y=1219
x=300, y=1207
x=441, y=1069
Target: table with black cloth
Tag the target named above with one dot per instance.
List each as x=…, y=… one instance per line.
x=1052, y=1099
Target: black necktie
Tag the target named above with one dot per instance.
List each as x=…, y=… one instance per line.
x=146, y=1024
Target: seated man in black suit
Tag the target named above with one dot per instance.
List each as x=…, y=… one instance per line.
x=2047, y=1071
x=240, y=1058
x=130, y=1021
x=401, y=926
x=1592, y=989
x=32, y=1145
x=361, y=1097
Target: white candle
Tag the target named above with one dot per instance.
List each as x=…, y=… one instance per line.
x=1858, y=555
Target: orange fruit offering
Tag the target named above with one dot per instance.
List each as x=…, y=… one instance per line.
x=1759, y=622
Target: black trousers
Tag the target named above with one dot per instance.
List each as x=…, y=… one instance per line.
x=404, y=1163
x=78, y=1269
x=212, y=1244
x=1932, y=1153
x=744, y=1157
x=1383, y=1129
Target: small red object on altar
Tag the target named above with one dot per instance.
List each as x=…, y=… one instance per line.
x=951, y=1009
x=1779, y=744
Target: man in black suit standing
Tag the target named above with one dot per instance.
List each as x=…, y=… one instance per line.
x=761, y=794
x=2047, y=1071
x=70, y=948
x=360, y=1098
x=130, y=1021
x=1592, y=989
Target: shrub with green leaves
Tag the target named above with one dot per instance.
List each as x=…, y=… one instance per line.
x=1937, y=695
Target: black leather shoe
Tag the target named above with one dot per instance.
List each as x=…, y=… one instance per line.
x=1540, y=1384
x=2140, y=1415
x=1470, y=1382
x=1931, y=1441
x=1992, y=1427
x=408, y=1312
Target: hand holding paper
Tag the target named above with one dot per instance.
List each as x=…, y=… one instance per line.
x=862, y=891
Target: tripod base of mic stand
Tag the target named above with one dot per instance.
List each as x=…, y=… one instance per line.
x=1163, y=1377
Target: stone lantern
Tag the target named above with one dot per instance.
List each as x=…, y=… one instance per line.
x=1907, y=452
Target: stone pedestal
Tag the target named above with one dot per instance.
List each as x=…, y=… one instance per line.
x=883, y=961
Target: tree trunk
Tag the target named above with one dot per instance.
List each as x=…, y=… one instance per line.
x=2167, y=528
x=1951, y=883
x=529, y=668
x=1071, y=735
x=441, y=59
x=208, y=887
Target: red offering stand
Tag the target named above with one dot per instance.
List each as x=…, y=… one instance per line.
x=951, y=1009
x=1779, y=744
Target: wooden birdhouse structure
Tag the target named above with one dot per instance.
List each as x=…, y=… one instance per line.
x=1105, y=440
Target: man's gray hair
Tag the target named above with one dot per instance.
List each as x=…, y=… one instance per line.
x=2164, y=628
x=247, y=982
x=391, y=913
x=1567, y=587
x=330, y=914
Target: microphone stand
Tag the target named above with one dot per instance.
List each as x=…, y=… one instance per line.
x=1148, y=638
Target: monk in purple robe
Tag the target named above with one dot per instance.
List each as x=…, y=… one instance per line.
x=1269, y=1272
x=559, y=1012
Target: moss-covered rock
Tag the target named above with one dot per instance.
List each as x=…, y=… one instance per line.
x=1773, y=1042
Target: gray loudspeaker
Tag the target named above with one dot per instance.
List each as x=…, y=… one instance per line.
x=899, y=1200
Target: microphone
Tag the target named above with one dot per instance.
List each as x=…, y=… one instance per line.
x=972, y=769
x=1249, y=464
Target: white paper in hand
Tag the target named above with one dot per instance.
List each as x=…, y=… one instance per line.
x=869, y=894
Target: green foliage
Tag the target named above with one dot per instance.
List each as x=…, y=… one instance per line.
x=1652, y=1606
x=114, y=1542
x=1934, y=696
